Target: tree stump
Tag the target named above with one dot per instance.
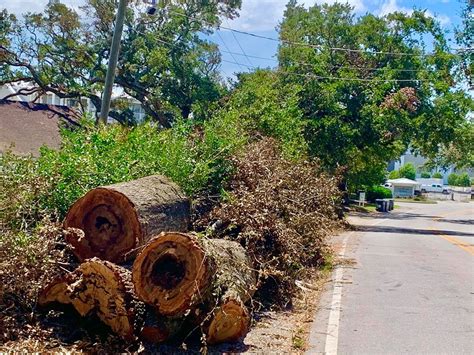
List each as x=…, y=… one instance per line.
x=118, y=219
x=101, y=287
x=177, y=273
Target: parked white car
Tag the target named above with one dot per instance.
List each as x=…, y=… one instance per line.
x=434, y=188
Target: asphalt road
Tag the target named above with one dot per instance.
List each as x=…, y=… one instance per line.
x=407, y=285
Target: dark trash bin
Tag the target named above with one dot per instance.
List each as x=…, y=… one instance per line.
x=380, y=205
x=391, y=204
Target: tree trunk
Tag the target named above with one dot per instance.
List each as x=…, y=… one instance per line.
x=101, y=287
x=158, y=329
x=177, y=273
x=118, y=219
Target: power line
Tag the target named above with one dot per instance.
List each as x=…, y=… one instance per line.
x=225, y=45
x=317, y=46
x=337, y=78
x=238, y=42
x=333, y=66
x=299, y=74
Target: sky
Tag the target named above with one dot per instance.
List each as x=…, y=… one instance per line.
x=262, y=16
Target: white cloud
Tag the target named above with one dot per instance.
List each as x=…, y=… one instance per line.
x=391, y=6
x=19, y=7
x=264, y=15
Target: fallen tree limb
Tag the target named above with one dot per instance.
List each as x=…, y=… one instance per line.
x=118, y=219
x=103, y=288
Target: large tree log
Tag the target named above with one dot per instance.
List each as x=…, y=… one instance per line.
x=177, y=272
x=101, y=287
x=157, y=329
x=117, y=219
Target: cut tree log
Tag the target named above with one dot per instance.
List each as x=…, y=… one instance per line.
x=228, y=323
x=101, y=287
x=117, y=219
x=157, y=329
x=178, y=272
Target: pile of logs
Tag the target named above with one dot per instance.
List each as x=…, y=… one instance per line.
x=178, y=280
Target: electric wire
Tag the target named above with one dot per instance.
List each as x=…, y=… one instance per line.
x=238, y=43
x=317, y=46
x=235, y=62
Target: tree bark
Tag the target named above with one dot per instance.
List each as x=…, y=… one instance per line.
x=118, y=219
x=101, y=287
x=178, y=273
x=158, y=329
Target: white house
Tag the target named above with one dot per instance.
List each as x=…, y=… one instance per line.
x=84, y=105
x=419, y=161
x=404, y=187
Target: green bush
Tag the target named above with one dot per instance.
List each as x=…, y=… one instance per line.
x=376, y=192
x=453, y=179
x=196, y=158
x=464, y=180
x=394, y=174
x=425, y=175
x=408, y=171
x=437, y=175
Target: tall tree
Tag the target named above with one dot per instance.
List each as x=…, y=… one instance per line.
x=164, y=63
x=370, y=88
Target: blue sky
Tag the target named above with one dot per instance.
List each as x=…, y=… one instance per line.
x=262, y=16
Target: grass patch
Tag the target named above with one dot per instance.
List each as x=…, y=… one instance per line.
x=368, y=208
x=413, y=200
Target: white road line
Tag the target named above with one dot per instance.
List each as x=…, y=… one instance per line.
x=332, y=337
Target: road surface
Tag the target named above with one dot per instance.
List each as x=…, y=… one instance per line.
x=406, y=286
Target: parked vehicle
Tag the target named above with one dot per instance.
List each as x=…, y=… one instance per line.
x=434, y=188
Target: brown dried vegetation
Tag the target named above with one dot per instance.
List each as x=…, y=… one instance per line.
x=281, y=212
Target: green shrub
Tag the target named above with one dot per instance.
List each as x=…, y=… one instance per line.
x=453, y=179
x=196, y=158
x=464, y=180
x=394, y=174
x=437, y=175
x=425, y=175
x=408, y=171
x=376, y=192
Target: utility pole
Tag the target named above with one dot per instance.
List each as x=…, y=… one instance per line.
x=113, y=59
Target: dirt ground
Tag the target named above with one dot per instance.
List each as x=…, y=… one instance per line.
x=282, y=331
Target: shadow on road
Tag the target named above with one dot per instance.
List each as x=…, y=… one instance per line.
x=392, y=215
x=398, y=230
x=458, y=221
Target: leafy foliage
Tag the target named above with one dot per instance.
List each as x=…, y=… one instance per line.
x=453, y=179
x=394, y=174
x=437, y=175
x=193, y=157
x=376, y=192
x=408, y=171
x=357, y=114
x=264, y=106
x=164, y=63
x=459, y=180
x=425, y=175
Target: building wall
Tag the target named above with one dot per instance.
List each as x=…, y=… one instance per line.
x=403, y=191
x=419, y=161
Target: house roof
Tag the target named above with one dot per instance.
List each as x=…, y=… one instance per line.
x=25, y=127
x=403, y=182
